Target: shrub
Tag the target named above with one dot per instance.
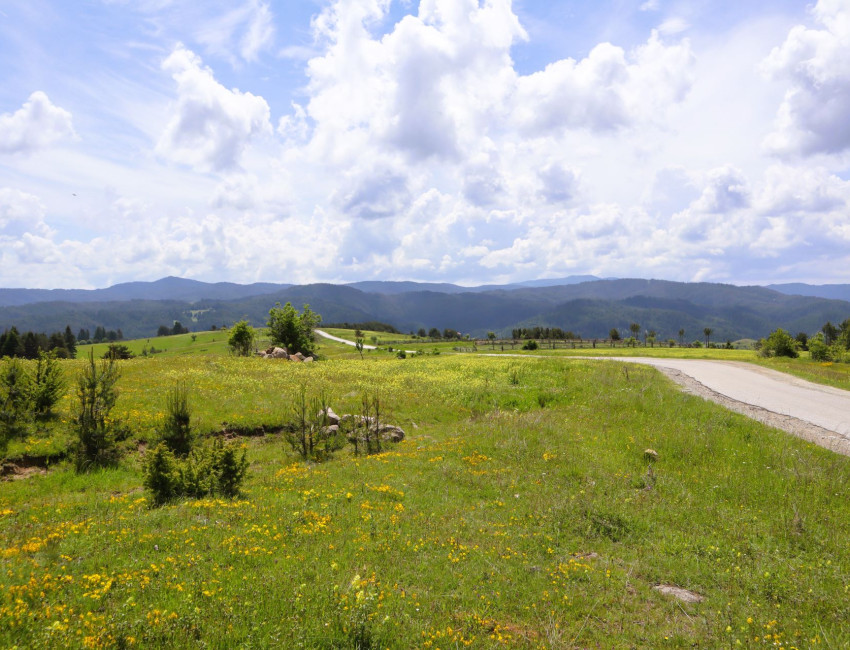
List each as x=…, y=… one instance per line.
x=96, y=395
x=530, y=345
x=118, y=351
x=779, y=344
x=177, y=430
x=819, y=350
x=218, y=469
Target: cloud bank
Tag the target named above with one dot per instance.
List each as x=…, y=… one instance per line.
x=418, y=143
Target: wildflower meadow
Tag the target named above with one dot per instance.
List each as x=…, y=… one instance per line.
x=520, y=510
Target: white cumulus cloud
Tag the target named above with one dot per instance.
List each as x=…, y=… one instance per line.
x=36, y=125
x=816, y=62
x=211, y=126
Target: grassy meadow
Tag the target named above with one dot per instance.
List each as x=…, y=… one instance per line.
x=520, y=511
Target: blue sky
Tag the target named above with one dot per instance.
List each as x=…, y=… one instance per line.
x=468, y=141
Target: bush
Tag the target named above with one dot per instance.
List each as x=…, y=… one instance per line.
x=530, y=345
x=779, y=344
x=118, y=351
x=214, y=470
x=96, y=433
x=241, y=339
x=177, y=430
x=819, y=350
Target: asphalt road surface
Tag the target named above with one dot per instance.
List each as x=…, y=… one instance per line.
x=813, y=411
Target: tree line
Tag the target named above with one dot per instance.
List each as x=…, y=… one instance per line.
x=544, y=333
x=30, y=345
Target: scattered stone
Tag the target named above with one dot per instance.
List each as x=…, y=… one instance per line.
x=308, y=360
x=650, y=455
x=391, y=433
x=333, y=418
x=279, y=353
x=682, y=594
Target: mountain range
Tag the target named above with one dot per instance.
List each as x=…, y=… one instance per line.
x=586, y=305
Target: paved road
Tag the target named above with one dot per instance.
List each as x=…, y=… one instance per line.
x=823, y=406
x=324, y=334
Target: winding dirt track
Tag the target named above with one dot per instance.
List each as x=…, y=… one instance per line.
x=820, y=414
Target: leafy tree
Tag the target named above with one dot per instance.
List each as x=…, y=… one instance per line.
x=818, y=349
x=492, y=337
x=83, y=335
x=164, y=330
x=708, y=332
x=358, y=345
x=434, y=333
x=802, y=340
x=241, y=339
x=635, y=329
x=292, y=330
x=422, y=333
x=779, y=344
x=614, y=334
x=99, y=334
x=651, y=338
x=179, y=329
x=682, y=337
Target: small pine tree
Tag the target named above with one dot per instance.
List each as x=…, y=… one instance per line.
x=177, y=429
x=15, y=389
x=96, y=395
x=161, y=475
x=48, y=384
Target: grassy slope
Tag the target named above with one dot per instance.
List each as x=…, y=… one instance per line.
x=519, y=511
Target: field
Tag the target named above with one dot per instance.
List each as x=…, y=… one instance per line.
x=520, y=511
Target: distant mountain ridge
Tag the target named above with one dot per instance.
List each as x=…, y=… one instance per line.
x=169, y=288
x=830, y=291
x=589, y=307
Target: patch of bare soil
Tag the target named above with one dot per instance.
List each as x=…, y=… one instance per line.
x=801, y=429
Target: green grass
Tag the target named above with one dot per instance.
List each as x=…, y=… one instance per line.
x=205, y=343
x=519, y=512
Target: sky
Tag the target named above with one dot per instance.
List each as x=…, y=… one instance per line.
x=465, y=141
